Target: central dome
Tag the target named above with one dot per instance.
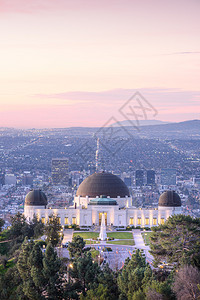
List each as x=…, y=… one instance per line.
x=103, y=183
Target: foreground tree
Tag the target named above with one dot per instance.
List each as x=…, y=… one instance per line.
x=18, y=227
x=51, y=269
x=52, y=230
x=40, y=275
x=187, y=283
x=177, y=241
x=26, y=268
x=156, y=290
x=99, y=293
x=84, y=273
x=130, y=280
x=76, y=247
x=2, y=222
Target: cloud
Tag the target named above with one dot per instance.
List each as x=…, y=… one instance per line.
x=183, y=53
x=162, y=97
x=32, y=6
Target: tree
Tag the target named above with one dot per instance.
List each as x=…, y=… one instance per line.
x=109, y=280
x=99, y=293
x=3, y=260
x=10, y=285
x=156, y=290
x=131, y=278
x=37, y=227
x=25, y=266
x=40, y=275
x=139, y=295
x=52, y=230
x=76, y=246
x=183, y=232
x=187, y=282
x=51, y=268
x=2, y=222
x=85, y=273
x=18, y=222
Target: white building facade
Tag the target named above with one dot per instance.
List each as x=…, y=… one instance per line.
x=103, y=193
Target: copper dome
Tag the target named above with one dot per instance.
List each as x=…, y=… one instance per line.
x=103, y=183
x=36, y=198
x=169, y=198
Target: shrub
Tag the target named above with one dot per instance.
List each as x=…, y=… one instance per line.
x=109, y=249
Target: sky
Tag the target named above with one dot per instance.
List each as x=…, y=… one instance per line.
x=73, y=63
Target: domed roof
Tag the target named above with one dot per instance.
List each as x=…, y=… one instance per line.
x=169, y=198
x=36, y=198
x=103, y=183
x=103, y=200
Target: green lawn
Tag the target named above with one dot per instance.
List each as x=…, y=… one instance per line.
x=146, y=237
x=122, y=242
x=91, y=242
x=116, y=235
x=87, y=235
x=120, y=235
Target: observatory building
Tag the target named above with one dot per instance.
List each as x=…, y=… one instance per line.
x=103, y=193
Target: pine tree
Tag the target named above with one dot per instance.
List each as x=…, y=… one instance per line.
x=51, y=268
x=76, y=246
x=177, y=241
x=85, y=272
x=28, y=256
x=52, y=230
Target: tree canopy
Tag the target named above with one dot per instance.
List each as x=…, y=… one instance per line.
x=177, y=241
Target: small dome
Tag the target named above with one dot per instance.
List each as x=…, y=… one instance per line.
x=36, y=198
x=169, y=198
x=103, y=183
x=103, y=200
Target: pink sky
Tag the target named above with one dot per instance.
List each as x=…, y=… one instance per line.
x=75, y=63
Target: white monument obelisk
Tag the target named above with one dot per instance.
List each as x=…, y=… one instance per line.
x=103, y=235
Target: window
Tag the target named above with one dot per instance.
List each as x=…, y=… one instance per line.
x=162, y=221
x=154, y=221
x=146, y=221
x=131, y=221
x=139, y=221
x=59, y=222
x=66, y=221
x=43, y=220
x=74, y=220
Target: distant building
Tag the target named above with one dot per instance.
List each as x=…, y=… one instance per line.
x=168, y=176
x=196, y=180
x=59, y=171
x=10, y=179
x=27, y=179
x=150, y=177
x=127, y=181
x=2, y=178
x=139, y=177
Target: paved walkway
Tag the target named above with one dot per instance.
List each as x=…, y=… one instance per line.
x=139, y=243
x=68, y=234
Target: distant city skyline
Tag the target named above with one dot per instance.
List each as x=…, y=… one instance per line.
x=75, y=63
